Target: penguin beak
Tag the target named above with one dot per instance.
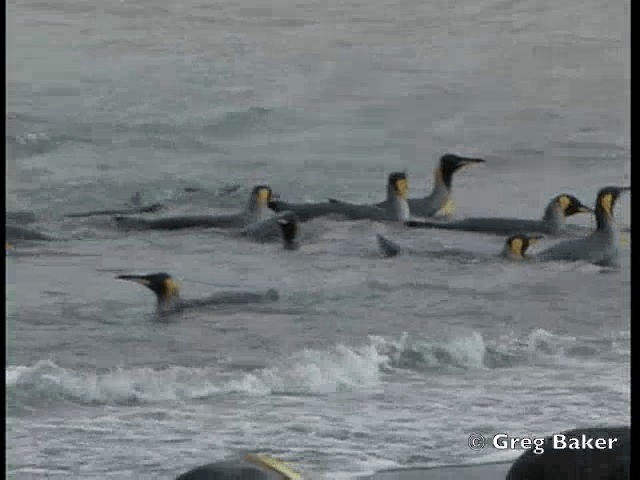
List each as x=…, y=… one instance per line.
x=402, y=187
x=574, y=206
x=584, y=209
x=468, y=162
x=135, y=278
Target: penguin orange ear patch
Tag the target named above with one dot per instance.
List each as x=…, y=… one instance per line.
x=606, y=202
x=448, y=209
x=516, y=246
x=402, y=187
x=624, y=241
x=564, y=202
x=171, y=287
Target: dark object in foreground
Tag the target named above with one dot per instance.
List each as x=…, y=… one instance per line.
x=231, y=470
x=251, y=467
x=586, y=463
x=590, y=462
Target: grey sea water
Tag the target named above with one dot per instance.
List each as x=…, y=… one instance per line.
x=364, y=362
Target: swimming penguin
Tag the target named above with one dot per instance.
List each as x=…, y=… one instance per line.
x=304, y=211
x=440, y=194
x=16, y=233
x=20, y=216
x=154, y=207
x=394, y=208
x=257, y=209
x=515, y=247
x=289, y=229
x=601, y=247
x=267, y=230
x=167, y=291
x=254, y=466
x=552, y=222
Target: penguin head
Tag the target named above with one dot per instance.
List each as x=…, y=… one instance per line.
x=162, y=284
x=261, y=196
x=605, y=201
x=397, y=185
x=607, y=198
x=570, y=205
x=450, y=163
x=516, y=245
x=289, y=227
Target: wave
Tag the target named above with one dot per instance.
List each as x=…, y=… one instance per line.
x=25, y=140
x=462, y=352
x=308, y=372
x=239, y=122
x=45, y=381
x=38, y=143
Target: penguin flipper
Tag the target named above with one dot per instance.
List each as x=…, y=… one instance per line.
x=387, y=247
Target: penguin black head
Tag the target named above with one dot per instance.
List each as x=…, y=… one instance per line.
x=605, y=201
x=398, y=184
x=162, y=284
x=570, y=205
x=516, y=245
x=450, y=163
x=607, y=198
x=261, y=196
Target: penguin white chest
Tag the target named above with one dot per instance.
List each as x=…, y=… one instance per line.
x=401, y=210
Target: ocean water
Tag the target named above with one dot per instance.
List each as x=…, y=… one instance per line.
x=364, y=363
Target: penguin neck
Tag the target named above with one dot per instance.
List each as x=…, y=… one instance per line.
x=256, y=212
x=399, y=208
x=507, y=253
x=553, y=217
x=440, y=191
x=604, y=221
x=168, y=303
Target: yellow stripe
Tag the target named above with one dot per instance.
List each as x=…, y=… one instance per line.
x=448, y=209
x=624, y=240
x=274, y=464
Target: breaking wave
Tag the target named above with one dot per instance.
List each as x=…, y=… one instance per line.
x=308, y=372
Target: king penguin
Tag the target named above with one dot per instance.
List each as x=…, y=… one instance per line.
x=440, y=194
x=551, y=223
x=257, y=209
x=602, y=246
x=167, y=291
x=515, y=247
x=394, y=208
x=253, y=466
